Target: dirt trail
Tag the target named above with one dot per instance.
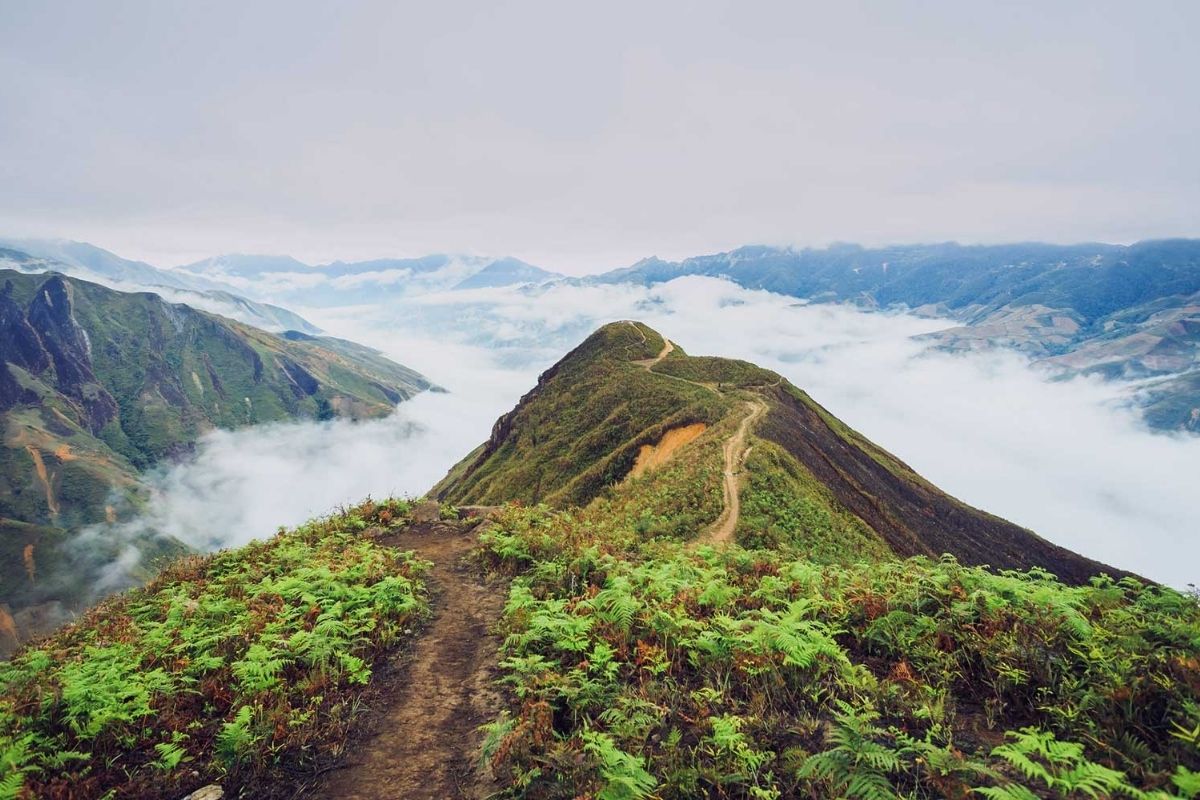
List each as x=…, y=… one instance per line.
x=426, y=740
x=735, y=452
x=650, y=363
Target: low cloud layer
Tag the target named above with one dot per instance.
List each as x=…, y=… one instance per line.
x=1063, y=458
x=245, y=484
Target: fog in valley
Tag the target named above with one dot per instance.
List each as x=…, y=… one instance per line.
x=1064, y=458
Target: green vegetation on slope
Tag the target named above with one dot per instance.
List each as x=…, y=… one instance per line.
x=721, y=373
x=784, y=505
x=226, y=668
x=657, y=670
x=97, y=385
x=576, y=435
x=807, y=659
x=812, y=659
x=127, y=379
x=908, y=512
x=579, y=430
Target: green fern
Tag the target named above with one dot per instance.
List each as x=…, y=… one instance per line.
x=170, y=755
x=624, y=776
x=1060, y=766
x=857, y=765
x=1187, y=782
x=616, y=604
x=16, y=757
x=260, y=669
x=235, y=741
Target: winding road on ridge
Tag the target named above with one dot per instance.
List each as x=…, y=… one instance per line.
x=735, y=450
x=650, y=363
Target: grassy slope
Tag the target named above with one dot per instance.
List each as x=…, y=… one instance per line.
x=810, y=477
x=812, y=661
x=579, y=429
x=174, y=373
x=643, y=668
x=783, y=504
x=236, y=667
x=912, y=515
x=808, y=661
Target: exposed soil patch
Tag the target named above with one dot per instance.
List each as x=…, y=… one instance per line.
x=39, y=466
x=735, y=450
x=10, y=637
x=653, y=456
x=423, y=741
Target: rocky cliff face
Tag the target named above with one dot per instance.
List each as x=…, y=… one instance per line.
x=66, y=346
x=19, y=342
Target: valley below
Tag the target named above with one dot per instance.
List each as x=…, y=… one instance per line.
x=100, y=388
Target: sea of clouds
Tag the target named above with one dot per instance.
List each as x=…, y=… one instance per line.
x=1065, y=458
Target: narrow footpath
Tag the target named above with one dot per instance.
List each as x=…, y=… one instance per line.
x=735, y=450
x=426, y=739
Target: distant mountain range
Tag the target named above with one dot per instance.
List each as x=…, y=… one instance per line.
x=248, y=288
x=1130, y=313
x=91, y=263
x=1127, y=313
x=97, y=385
x=286, y=280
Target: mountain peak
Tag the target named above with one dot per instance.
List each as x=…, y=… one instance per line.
x=507, y=271
x=628, y=396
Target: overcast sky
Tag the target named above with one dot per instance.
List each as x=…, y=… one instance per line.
x=585, y=136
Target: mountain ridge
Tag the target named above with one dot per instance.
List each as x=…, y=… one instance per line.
x=268, y=277
x=90, y=263
x=575, y=438
x=673, y=601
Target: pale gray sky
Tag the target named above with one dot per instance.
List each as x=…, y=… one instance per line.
x=584, y=136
